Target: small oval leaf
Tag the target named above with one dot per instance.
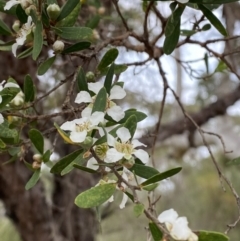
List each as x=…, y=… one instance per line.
x=44, y=67
x=95, y=196
x=33, y=180
x=108, y=58
x=29, y=91
x=37, y=139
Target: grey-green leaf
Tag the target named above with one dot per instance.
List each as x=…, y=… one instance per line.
x=38, y=40
x=65, y=161
x=155, y=231
x=211, y=236
x=161, y=176
x=33, y=180
x=171, y=41
x=67, y=9
x=37, y=139
x=95, y=196
x=100, y=101
x=44, y=66
x=75, y=33
x=144, y=171
x=213, y=19
x=29, y=90
x=138, y=209
x=108, y=58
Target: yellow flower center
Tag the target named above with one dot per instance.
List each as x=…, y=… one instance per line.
x=126, y=148
x=84, y=126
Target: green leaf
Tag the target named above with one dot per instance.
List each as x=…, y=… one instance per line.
x=185, y=32
x=173, y=20
x=65, y=161
x=81, y=80
x=85, y=169
x=138, y=209
x=150, y=187
x=44, y=67
x=33, y=180
x=109, y=79
x=14, y=151
x=78, y=160
x=213, y=19
x=144, y=171
x=206, y=27
x=94, y=21
x=74, y=33
x=108, y=58
x=67, y=9
x=28, y=89
x=22, y=16
x=95, y=196
x=100, y=101
x=211, y=236
x=77, y=47
x=235, y=161
x=25, y=53
x=161, y=176
x=118, y=69
x=71, y=19
x=2, y=144
x=6, y=46
x=171, y=41
x=4, y=29
x=46, y=156
x=221, y=67
x=131, y=124
x=52, y=2
x=9, y=136
x=38, y=40
x=37, y=139
x=155, y=231
x=139, y=115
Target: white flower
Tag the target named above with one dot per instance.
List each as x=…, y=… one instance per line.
x=79, y=128
x=22, y=35
x=124, y=148
x=183, y=1
x=177, y=226
x=116, y=93
x=1, y=118
x=24, y=4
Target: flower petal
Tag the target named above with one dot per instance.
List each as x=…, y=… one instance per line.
x=70, y=125
x=10, y=4
x=86, y=112
x=180, y=229
x=92, y=163
x=136, y=143
x=113, y=155
x=117, y=93
x=124, y=134
x=1, y=118
x=95, y=87
x=111, y=199
x=193, y=237
x=83, y=97
x=183, y=1
x=142, y=155
x=168, y=216
x=116, y=113
x=110, y=140
x=124, y=201
x=78, y=137
x=96, y=117
x=14, y=49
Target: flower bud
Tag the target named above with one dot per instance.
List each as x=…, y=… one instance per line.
x=101, y=10
x=128, y=163
x=90, y=76
x=16, y=26
x=95, y=34
x=37, y=158
x=88, y=142
x=53, y=11
x=58, y=46
x=36, y=165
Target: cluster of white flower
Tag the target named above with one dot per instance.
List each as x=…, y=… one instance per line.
x=177, y=226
